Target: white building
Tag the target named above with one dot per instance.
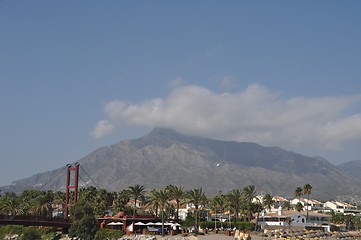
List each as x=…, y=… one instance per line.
x=341, y=207
x=277, y=202
x=293, y=218
x=185, y=209
x=308, y=204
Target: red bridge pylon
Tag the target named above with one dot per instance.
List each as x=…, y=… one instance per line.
x=72, y=179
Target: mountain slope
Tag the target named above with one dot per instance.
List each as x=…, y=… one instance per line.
x=165, y=157
x=352, y=168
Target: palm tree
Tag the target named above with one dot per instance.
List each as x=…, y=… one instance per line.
x=228, y=207
x=249, y=193
x=158, y=198
x=136, y=191
x=42, y=204
x=234, y=197
x=286, y=205
x=27, y=201
x=267, y=201
x=178, y=194
x=257, y=205
x=299, y=207
x=124, y=196
x=87, y=195
x=215, y=203
x=153, y=201
x=103, y=200
x=223, y=204
x=307, y=191
x=196, y=197
x=298, y=193
x=9, y=203
x=162, y=199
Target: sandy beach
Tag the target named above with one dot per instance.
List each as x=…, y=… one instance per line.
x=254, y=236
x=200, y=237
x=211, y=236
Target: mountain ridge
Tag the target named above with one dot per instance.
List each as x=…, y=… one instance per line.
x=164, y=157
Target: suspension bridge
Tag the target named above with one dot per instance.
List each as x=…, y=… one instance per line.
x=72, y=179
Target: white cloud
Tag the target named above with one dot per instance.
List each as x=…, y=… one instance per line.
x=103, y=128
x=227, y=82
x=213, y=51
x=255, y=114
x=177, y=82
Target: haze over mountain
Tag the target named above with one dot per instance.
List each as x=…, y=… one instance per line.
x=352, y=168
x=165, y=157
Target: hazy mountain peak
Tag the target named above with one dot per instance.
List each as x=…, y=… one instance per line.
x=163, y=131
x=164, y=137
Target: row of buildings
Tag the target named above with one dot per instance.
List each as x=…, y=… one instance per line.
x=315, y=214
x=315, y=205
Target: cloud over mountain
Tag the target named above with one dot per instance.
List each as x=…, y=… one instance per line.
x=255, y=114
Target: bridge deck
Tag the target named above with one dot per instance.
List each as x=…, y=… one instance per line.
x=35, y=221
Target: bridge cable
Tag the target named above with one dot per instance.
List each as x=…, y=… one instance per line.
x=87, y=174
x=53, y=182
x=86, y=184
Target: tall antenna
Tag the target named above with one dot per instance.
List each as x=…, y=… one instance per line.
x=224, y=153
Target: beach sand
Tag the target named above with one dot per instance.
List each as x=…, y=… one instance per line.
x=207, y=237
x=211, y=236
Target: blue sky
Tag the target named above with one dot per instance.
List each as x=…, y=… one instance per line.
x=78, y=75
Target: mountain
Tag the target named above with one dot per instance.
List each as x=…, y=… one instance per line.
x=352, y=168
x=164, y=157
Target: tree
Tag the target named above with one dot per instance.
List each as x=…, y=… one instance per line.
x=249, y=193
x=152, y=201
x=223, y=203
x=42, y=204
x=120, y=200
x=196, y=197
x=227, y=207
x=102, y=201
x=30, y=234
x=286, y=206
x=178, y=194
x=307, y=191
x=299, y=207
x=83, y=218
x=27, y=201
x=298, y=194
x=216, y=205
x=59, y=200
x=258, y=206
x=136, y=192
x=87, y=194
x=267, y=201
x=234, y=197
x=9, y=204
x=162, y=199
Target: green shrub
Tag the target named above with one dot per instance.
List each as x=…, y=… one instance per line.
x=30, y=233
x=10, y=230
x=245, y=226
x=52, y=236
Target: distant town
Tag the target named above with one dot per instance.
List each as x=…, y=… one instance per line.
x=91, y=213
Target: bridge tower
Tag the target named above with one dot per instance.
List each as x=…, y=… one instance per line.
x=72, y=180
